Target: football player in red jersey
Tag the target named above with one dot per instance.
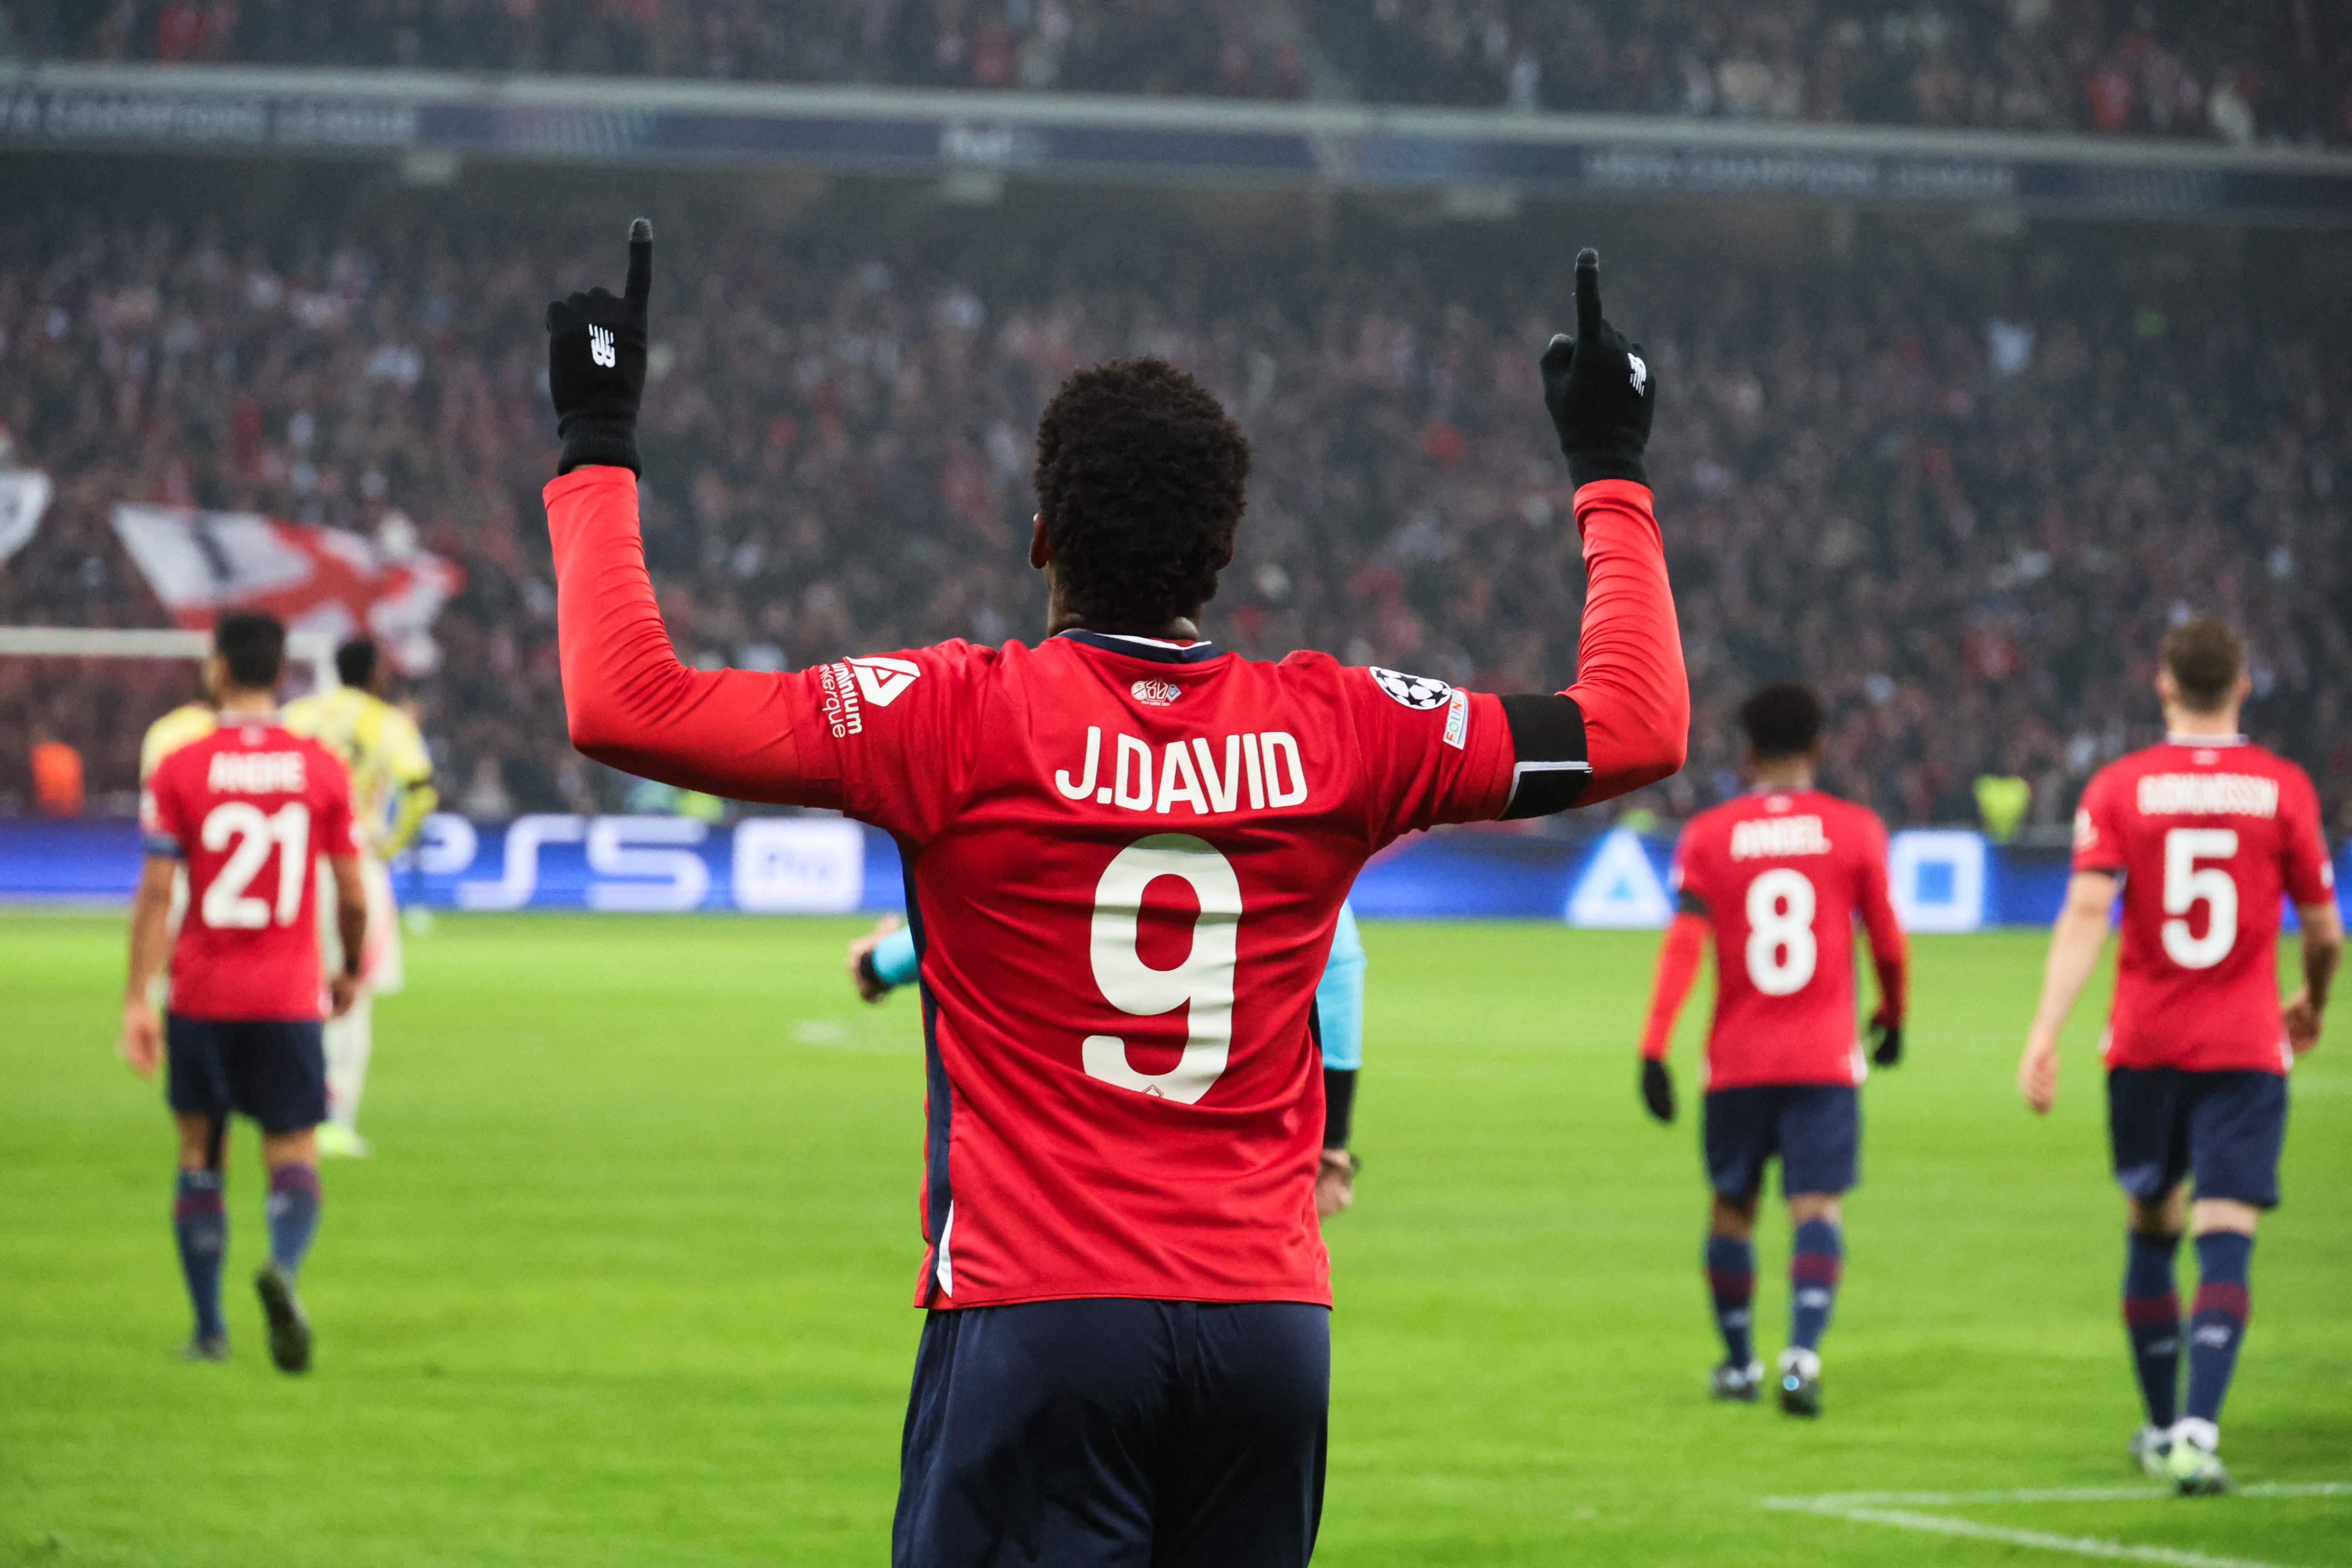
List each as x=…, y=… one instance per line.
x=249, y=808
x=1778, y=878
x=2206, y=835
x=1126, y=850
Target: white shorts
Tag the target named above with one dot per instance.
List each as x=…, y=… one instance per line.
x=380, y=964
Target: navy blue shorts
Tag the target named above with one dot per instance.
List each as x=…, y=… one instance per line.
x=1115, y=1434
x=2223, y=1128
x=274, y=1071
x=1814, y=1128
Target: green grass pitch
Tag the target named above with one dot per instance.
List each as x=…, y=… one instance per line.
x=626, y=1281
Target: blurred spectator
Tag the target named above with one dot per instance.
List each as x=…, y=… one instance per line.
x=2001, y=803
x=57, y=776
x=1966, y=509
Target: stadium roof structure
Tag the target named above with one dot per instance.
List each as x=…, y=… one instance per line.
x=426, y=115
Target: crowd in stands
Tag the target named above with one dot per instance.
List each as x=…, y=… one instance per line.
x=1968, y=517
x=2174, y=67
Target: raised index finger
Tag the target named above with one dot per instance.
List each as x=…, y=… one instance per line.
x=1588, y=293
x=641, y=262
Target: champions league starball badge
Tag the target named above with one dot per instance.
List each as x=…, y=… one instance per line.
x=1412, y=691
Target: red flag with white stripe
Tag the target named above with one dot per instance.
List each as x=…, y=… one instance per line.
x=314, y=579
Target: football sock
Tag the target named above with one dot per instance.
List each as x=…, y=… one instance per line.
x=2152, y=1319
x=348, y=1040
x=2217, y=1322
x=1813, y=1280
x=201, y=1225
x=293, y=1214
x=1732, y=1278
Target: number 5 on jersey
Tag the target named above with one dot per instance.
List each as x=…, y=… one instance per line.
x=2187, y=884
x=1203, y=983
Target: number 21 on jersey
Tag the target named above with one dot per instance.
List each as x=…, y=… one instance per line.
x=227, y=905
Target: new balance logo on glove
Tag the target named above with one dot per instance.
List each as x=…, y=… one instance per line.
x=596, y=402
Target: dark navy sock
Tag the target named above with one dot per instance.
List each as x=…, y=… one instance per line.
x=200, y=1222
x=2152, y=1319
x=1731, y=1279
x=1813, y=1281
x=293, y=1214
x=2217, y=1322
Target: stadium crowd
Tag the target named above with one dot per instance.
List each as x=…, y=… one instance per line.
x=1968, y=517
x=2173, y=68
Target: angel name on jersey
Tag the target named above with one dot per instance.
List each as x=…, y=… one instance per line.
x=1260, y=769
x=1770, y=837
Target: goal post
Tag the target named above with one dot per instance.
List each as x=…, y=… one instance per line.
x=315, y=649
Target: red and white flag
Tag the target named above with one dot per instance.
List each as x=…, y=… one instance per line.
x=314, y=579
x=24, y=496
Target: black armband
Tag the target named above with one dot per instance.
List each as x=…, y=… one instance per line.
x=1339, y=1105
x=869, y=973
x=1549, y=770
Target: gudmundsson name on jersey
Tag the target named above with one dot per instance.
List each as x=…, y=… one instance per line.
x=2208, y=794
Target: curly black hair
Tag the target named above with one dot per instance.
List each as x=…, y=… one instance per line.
x=1783, y=720
x=1141, y=480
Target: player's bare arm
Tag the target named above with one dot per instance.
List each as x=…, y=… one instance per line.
x=151, y=944
x=2076, y=943
x=2323, y=948
x=350, y=928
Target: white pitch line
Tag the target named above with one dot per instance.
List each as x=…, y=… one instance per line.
x=2078, y=1545
x=1837, y=1500
x=1871, y=1508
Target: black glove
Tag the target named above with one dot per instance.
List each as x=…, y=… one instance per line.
x=1598, y=389
x=1657, y=1089
x=1888, y=1051
x=596, y=363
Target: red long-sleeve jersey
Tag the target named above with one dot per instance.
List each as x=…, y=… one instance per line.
x=1125, y=857
x=1778, y=878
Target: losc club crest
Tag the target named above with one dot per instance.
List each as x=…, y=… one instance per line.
x=1412, y=691
x=1158, y=693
